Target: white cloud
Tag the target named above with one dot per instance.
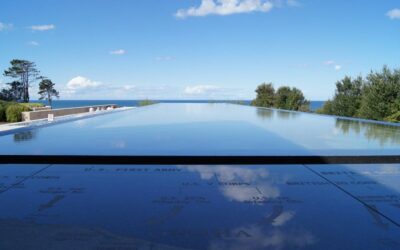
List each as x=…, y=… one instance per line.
x=241, y=193
x=293, y=3
x=43, y=27
x=338, y=67
x=225, y=7
x=200, y=89
x=5, y=26
x=81, y=88
x=283, y=218
x=118, y=52
x=128, y=87
x=260, y=236
x=332, y=63
x=80, y=83
x=215, y=92
x=393, y=14
x=33, y=43
x=164, y=58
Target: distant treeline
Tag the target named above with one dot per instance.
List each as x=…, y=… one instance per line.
x=375, y=97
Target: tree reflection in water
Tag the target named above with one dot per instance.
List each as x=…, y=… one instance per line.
x=268, y=114
x=383, y=133
x=265, y=114
x=287, y=115
x=24, y=136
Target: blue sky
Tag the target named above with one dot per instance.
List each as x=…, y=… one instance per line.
x=198, y=49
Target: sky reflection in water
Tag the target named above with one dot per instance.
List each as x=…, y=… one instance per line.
x=207, y=129
x=197, y=207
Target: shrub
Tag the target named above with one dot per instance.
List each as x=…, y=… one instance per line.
x=146, y=103
x=32, y=105
x=14, y=112
x=2, y=113
x=393, y=118
x=3, y=107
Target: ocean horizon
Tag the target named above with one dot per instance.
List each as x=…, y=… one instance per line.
x=58, y=104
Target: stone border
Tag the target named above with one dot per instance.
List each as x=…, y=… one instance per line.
x=14, y=127
x=43, y=114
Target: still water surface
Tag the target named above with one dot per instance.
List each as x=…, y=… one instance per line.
x=206, y=129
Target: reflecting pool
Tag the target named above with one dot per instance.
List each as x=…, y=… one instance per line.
x=204, y=130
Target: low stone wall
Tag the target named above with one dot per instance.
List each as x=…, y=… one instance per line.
x=43, y=114
x=41, y=108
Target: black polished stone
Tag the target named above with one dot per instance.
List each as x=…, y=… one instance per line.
x=185, y=207
x=376, y=185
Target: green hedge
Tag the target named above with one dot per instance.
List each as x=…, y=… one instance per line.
x=2, y=113
x=32, y=105
x=14, y=112
x=3, y=108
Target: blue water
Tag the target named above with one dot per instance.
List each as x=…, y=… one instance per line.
x=129, y=103
x=202, y=129
x=314, y=105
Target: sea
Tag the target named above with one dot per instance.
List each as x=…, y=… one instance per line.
x=58, y=104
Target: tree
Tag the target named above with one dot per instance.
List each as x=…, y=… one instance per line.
x=5, y=95
x=381, y=95
x=47, y=91
x=282, y=97
x=291, y=99
x=26, y=72
x=347, y=98
x=377, y=97
x=265, y=96
x=296, y=101
x=14, y=93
